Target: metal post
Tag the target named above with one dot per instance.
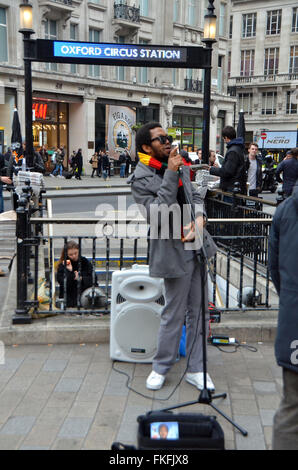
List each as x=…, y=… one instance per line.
x=206, y=105
x=22, y=313
x=28, y=101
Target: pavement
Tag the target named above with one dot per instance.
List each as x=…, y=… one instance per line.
x=59, y=390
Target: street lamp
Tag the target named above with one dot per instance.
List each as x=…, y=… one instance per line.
x=145, y=101
x=209, y=40
x=26, y=23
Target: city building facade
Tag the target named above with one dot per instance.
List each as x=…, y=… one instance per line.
x=263, y=70
x=74, y=105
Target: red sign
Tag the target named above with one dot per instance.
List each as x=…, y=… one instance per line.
x=40, y=110
x=263, y=136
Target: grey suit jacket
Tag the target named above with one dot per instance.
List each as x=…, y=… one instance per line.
x=154, y=194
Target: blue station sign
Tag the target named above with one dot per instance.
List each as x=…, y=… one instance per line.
x=137, y=55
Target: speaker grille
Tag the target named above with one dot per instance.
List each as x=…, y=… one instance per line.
x=120, y=299
x=161, y=300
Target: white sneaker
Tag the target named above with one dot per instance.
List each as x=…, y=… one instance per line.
x=155, y=381
x=52, y=176
x=197, y=379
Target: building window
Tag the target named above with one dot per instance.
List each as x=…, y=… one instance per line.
x=231, y=27
x=291, y=103
x=94, y=36
x=73, y=36
x=176, y=11
x=273, y=22
x=247, y=63
x=144, y=8
x=191, y=12
x=229, y=64
x=219, y=72
x=3, y=36
x=293, y=68
x=271, y=61
x=120, y=73
x=249, y=23
x=295, y=20
x=143, y=71
x=222, y=20
x=245, y=102
x=51, y=33
x=269, y=99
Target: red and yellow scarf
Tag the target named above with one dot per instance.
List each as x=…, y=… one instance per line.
x=154, y=163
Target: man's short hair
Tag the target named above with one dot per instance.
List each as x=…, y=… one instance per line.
x=293, y=152
x=143, y=136
x=253, y=143
x=229, y=132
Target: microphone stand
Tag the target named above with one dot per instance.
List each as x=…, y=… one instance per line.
x=205, y=396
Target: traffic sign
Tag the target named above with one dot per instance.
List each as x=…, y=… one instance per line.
x=263, y=136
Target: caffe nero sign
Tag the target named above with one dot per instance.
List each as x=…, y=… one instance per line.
x=279, y=140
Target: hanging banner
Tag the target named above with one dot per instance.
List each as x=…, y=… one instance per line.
x=119, y=134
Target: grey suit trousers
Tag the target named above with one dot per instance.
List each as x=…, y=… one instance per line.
x=183, y=302
x=285, y=426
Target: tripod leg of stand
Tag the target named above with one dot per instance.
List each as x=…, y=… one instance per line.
x=243, y=431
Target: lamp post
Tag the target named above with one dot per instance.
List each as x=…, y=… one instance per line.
x=209, y=39
x=26, y=22
x=145, y=101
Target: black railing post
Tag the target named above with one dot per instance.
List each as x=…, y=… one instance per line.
x=22, y=311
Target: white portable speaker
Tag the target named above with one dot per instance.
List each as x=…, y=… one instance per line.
x=136, y=305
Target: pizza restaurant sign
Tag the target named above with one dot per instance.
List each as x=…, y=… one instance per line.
x=279, y=140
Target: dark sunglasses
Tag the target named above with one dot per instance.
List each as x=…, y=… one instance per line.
x=163, y=139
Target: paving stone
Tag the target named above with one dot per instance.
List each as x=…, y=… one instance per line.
x=264, y=387
x=18, y=425
x=267, y=417
x=67, y=444
x=55, y=365
x=68, y=385
x=75, y=428
x=10, y=442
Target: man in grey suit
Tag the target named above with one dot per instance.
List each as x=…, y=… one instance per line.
x=159, y=182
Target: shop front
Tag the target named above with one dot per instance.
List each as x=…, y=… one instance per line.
x=50, y=127
x=7, y=104
x=187, y=128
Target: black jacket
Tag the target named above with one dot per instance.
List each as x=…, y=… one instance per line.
x=233, y=167
x=86, y=272
x=289, y=170
x=283, y=262
x=259, y=170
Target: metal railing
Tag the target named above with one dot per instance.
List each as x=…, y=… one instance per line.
x=126, y=12
x=276, y=78
x=240, y=232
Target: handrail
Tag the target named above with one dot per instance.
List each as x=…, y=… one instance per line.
x=45, y=220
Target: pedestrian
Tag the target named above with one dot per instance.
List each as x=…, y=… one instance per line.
x=99, y=164
x=78, y=272
x=253, y=166
x=3, y=180
x=44, y=154
x=105, y=165
x=122, y=161
x=233, y=167
x=212, y=159
x=79, y=164
x=128, y=162
x=155, y=184
x=94, y=163
x=289, y=169
x=198, y=160
x=19, y=157
x=283, y=266
x=59, y=157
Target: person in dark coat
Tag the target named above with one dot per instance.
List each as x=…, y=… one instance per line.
x=128, y=163
x=283, y=266
x=79, y=164
x=78, y=272
x=233, y=167
x=289, y=169
x=105, y=165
